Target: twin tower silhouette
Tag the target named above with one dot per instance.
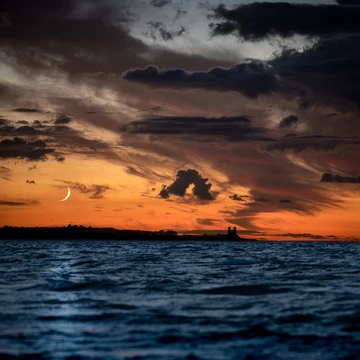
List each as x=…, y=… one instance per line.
x=232, y=233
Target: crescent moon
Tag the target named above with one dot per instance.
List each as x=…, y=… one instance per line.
x=68, y=194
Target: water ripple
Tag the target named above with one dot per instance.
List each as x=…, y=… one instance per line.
x=78, y=300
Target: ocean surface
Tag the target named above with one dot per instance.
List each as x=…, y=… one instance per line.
x=179, y=300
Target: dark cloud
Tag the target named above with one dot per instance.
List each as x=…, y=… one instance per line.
x=3, y=121
x=261, y=199
x=288, y=121
x=95, y=191
x=323, y=75
x=18, y=203
x=158, y=28
x=164, y=194
x=348, y=2
x=63, y=140
x=160, y=3
x=206, y=221
x=179, y=14
x=185, y=178
x=314, y=142
x=62, y=119
x=236, y=197
x=19, y=148
x=30, y=182
x=330, y=178
x=36, y=128
x=285, y=201
x=25, y=129
x=256, y=21
x=27, y=110
x=250, y=79
x=84, y=35
x=59, y=159
x=235, y=128
x=5, y=20
x=93, y=39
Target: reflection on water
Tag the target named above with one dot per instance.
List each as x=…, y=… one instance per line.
x=178, y=300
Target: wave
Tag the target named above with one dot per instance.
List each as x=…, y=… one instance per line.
x=246, y=290
x=65, y=285
x=239, y=262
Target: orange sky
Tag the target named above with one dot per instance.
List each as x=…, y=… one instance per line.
x=156, y=119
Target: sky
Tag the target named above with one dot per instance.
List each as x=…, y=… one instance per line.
x=180, y=114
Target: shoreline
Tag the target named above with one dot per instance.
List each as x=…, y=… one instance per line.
x=89, y=233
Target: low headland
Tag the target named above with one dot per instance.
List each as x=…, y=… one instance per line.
x=75, y=232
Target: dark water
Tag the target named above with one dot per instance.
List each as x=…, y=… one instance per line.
x=175, y=300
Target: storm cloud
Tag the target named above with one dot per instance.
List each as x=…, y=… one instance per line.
x=22, y=149
x=250, y=79
x=235, y=128
x=185, y=178
x=258, y=20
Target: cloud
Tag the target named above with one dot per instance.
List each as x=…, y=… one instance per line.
x=206, y=221
x=22, y=149
x=236, y=197
x=236, y=128
x=348, y=2
x=5, y=173
x=59, y=159
x=30, y=182
x=320, y=74
x=316, y=75
x=261, y=199
x=259, y=20
x=164, y=194
x=185, y=178
x=250, y=79
x=160, y=3
x=62, y=119
x=96, y=191
x=27, y=110
x=94, y=39
x=3, y=122
x=159, y=28
x=297, y=144
x=330, y=178
x=88, y=29
x=288, y=121
x=285, y=201
x=18, y=203
x=63, y=140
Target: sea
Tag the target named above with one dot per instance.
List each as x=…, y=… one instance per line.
x=173, y=300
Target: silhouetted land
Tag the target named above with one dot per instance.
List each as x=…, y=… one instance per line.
x=74, y=232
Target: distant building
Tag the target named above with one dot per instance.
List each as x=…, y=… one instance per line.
x=232, y=233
